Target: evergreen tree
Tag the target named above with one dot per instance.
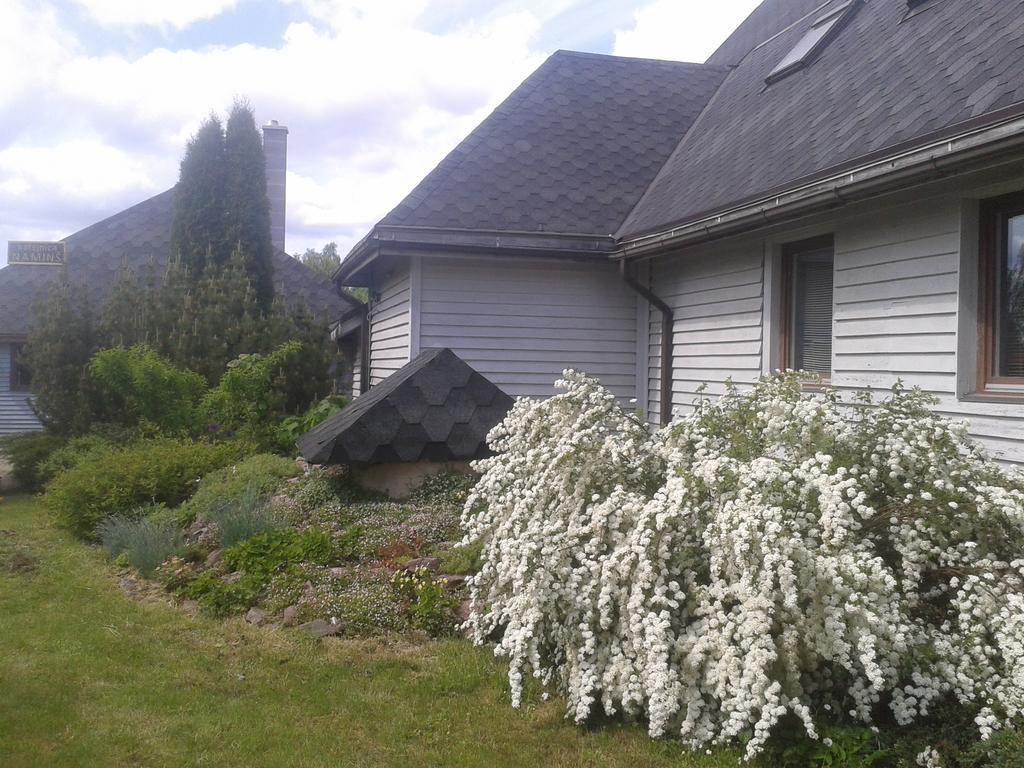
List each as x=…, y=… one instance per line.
x=127, y=318
x=60, y=343
x=214, y=302
x=247, y=209
x=198, y=235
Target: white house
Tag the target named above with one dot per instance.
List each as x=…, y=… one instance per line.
x=839, y=188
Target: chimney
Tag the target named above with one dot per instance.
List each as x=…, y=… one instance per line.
x=275, y=149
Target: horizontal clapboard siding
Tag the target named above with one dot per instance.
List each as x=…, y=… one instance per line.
x=16, y=413
x=521, y=322
x=896, y=315
x=716, y=295
x=389, y=326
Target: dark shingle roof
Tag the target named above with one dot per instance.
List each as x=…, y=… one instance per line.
x=139, y=238
x=569, y=151
x=434, y=408
x=883, y=81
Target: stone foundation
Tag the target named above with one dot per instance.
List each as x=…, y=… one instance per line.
x=398, y=480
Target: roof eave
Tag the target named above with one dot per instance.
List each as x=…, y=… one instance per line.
x=398, y=240
x=911, y=166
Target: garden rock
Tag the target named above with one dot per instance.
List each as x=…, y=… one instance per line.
x=128, y=585
x=197, y=532
x=233, y=577
x=338, y=573
x=453, y=580
x=430, y=563
x=320, y=628
x=290, y=615
x=256, y=617
x=214, y=557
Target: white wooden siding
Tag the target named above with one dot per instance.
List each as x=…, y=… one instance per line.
x=16, y=413
x=389, y=325
x=520, y=322
x=897, y=314
x=716, y=293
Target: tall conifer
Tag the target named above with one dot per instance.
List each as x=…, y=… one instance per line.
x=198, y=235
x=247, y=209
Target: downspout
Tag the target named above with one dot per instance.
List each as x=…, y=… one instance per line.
x=364, y=351
x=667, y=323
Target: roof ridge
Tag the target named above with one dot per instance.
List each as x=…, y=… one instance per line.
x=616, y=57
x=119, y=214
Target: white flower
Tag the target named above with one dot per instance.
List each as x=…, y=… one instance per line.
x=710, y=576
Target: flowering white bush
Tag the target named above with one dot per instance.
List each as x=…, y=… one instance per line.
x=774, y=552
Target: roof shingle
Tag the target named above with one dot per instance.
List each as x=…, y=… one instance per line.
x=139, y=238
x=569, y=151
x=434, y=408
x=889, y=77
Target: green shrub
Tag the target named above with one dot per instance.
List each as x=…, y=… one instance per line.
x=243, y=516
x=68, y=455
x=112, y=479
x=272, y=551
x=252, y=394
x=293, y=427
x=141, y=387
x=144, y=543
x=28, y=452
x=264, y=471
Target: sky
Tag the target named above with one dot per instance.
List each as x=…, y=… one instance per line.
x=99, y=97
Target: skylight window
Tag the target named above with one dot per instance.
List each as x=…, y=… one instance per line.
x=811, y=44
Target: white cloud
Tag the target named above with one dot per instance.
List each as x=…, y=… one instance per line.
x=372, y=103
x=681, y=30
x=32, y=47
x=77, y=170
x=374, y=92
x=178, y=14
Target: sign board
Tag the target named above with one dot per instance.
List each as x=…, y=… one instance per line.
x=34, y=252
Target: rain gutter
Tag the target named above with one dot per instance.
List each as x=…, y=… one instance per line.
x=926, y=162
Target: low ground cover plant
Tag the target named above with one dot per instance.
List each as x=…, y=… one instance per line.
x=775, y=556
x=367, y=567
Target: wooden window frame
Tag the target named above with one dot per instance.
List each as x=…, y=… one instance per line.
x=994, y=214
x=790, y=252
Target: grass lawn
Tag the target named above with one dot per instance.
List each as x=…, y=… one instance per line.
x=92, y=677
